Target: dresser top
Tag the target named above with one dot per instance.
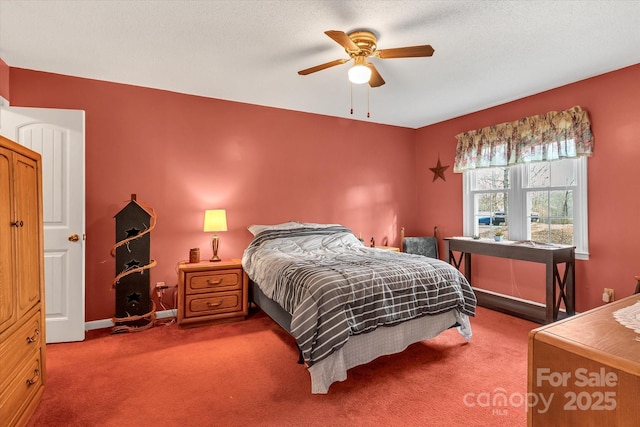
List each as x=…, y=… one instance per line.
x=598, y=335
x=209, y=265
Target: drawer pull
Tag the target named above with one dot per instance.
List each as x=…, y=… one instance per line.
x=32, y=381
x=34, y=337
x=214, y=304
x=214, y=282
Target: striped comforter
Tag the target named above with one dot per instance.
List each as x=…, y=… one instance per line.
x=335, y=287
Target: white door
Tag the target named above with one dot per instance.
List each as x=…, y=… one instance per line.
x=58, y=135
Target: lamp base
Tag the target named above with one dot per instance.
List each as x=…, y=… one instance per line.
x=215, y=244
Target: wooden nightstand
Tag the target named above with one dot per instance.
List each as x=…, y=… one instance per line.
x=211, y=292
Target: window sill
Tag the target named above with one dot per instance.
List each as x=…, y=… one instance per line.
x=582, y=256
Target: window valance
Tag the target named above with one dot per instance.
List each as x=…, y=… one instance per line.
x=551, y=136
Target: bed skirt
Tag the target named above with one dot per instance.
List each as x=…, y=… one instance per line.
x=364, y=348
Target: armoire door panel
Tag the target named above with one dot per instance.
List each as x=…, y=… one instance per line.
x=7, y=295
x=27, y=208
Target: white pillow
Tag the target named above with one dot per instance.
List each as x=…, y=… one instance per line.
x=291, y=225
x=314, y=225
x=256, y=229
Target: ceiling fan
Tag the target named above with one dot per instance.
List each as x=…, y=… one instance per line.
x=360, y=45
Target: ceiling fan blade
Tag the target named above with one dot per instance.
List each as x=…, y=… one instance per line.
x=343, y=40
x=323, y=66
x=405, y=52
x=376, y=79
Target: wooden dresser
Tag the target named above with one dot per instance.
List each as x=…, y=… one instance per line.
x=588, y=368
x=22, y=314
x=212, y=292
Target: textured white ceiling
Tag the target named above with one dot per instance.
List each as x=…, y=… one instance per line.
x=486, y=52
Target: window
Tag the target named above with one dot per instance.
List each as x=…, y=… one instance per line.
x=539, y=201
x=528, y=178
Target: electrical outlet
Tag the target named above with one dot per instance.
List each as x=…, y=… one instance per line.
x=608, y=295
x=160, y=287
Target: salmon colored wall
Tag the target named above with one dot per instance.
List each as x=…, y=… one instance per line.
x=613, y=102
x=4, y=80
x=183, y=154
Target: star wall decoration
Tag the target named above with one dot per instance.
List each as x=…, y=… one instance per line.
x=438, y=171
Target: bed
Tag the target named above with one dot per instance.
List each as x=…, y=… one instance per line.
x=347, y=304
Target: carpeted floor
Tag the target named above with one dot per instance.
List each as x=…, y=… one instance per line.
x=245, y=374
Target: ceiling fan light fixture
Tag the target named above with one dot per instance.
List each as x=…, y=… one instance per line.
x=359, y=73
x=360, y=45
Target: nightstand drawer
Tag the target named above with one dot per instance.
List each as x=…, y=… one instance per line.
x=214, y=281
x=218, y=303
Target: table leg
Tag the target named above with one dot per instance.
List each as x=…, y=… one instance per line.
x=550, y=314
x=467, y=266
x=570, y=288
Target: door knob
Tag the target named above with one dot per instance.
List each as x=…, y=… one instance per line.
x=74, y=238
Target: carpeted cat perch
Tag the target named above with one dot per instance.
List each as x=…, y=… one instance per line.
x=135, y=310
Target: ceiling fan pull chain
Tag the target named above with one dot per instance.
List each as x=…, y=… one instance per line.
x=351, y=90
x=368, y=89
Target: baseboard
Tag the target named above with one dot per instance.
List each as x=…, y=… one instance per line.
x=514, y=306
x=108, y=323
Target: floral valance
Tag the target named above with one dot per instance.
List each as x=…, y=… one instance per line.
x=551, y=136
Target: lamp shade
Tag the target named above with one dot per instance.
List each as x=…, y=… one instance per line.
x=215, y=220
x=359, y=74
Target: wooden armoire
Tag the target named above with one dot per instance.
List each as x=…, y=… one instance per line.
x=22, y=313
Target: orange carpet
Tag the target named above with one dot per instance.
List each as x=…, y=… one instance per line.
x=245, y=374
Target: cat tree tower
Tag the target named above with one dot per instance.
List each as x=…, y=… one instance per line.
x=135, y=309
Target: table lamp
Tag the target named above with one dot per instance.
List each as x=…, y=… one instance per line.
x=215, y=220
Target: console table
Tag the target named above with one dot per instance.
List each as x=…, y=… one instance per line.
x=558, y=289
